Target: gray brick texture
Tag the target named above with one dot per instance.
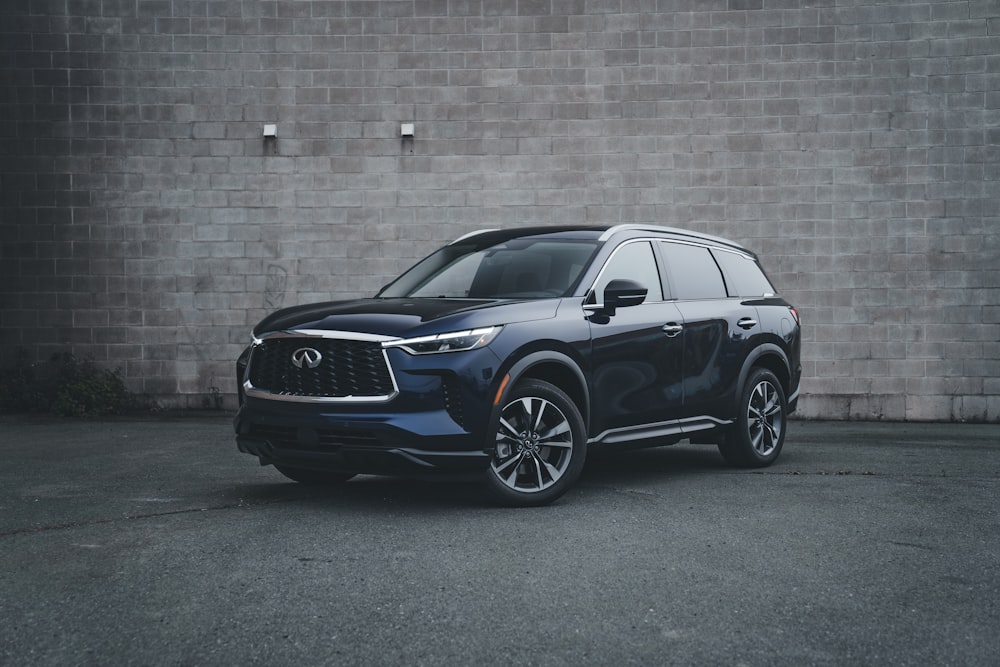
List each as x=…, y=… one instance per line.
x=145, y=222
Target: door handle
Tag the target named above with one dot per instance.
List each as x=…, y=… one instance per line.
x=747, y=323
x=672, y=329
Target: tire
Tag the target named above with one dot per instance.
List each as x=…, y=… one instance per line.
x=317, y=477
x=756, y=439
x=539, y=446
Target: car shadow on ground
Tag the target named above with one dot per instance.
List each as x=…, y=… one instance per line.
x=655, y=461
x=369, y=491
x=604, y=468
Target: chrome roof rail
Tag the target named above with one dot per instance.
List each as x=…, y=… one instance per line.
x=475, y=233
x=669, y=230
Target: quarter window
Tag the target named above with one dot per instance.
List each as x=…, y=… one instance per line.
x=693, y=272
x=745, y=277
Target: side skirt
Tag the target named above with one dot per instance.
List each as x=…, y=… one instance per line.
x=676, y=429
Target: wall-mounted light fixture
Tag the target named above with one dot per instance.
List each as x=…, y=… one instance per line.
x=407, y=130
x=270, y=131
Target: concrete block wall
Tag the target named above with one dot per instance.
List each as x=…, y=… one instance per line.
x=147, y=223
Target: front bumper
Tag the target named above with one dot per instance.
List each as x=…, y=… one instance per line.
x=435, y=420
x=375, y=444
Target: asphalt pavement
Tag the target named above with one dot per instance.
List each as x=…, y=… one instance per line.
x=154, y=542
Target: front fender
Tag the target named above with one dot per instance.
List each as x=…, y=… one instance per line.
x=552, y=366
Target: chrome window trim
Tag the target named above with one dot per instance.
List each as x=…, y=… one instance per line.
x=733, y=251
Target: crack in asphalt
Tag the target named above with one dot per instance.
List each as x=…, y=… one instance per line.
x=241, y=504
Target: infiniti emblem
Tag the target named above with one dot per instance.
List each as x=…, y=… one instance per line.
x=306, y=356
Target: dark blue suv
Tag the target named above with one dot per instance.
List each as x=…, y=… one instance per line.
x=511, y=353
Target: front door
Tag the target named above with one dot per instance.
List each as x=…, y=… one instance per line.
x=637, y=352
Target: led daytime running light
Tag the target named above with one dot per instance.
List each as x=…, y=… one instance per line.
x=455, y=341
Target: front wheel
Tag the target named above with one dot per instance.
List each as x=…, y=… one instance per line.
x=539, y=446
x=756, y=439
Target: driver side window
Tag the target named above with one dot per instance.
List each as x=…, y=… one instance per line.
x=631, y=261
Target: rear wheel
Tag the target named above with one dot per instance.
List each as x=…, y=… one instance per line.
x=756, y=439
x=539, y=446
x=317, y=477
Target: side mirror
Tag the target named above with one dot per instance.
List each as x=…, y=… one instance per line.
x=622, y=293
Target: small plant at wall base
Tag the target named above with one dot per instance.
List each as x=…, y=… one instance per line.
x=65, y=386
x=88, y=391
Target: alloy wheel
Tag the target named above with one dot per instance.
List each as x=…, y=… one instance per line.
x=534, y=444
x=765, y=418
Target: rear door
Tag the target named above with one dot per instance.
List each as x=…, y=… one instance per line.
x=717, y=329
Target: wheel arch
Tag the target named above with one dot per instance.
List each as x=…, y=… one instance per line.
x=771, y=357
x=556, y=368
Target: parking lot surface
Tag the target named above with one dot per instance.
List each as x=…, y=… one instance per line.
x=153, y=542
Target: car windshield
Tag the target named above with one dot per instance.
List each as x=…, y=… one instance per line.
x=525, y=268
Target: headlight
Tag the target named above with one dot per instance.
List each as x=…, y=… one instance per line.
x=447, y=342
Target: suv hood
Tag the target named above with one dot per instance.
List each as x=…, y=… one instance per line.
x=403, y=318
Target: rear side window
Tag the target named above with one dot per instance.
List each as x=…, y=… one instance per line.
x=744, y=275
x=693, y=272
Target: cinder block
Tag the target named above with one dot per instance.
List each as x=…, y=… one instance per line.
x=841, y=143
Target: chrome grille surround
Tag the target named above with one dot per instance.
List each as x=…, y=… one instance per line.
x=355, y=368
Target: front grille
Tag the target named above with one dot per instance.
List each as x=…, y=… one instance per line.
x=347, y=369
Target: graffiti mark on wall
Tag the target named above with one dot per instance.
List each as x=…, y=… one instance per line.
x=274, y=286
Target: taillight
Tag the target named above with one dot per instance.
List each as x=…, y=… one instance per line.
x=795, y=314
